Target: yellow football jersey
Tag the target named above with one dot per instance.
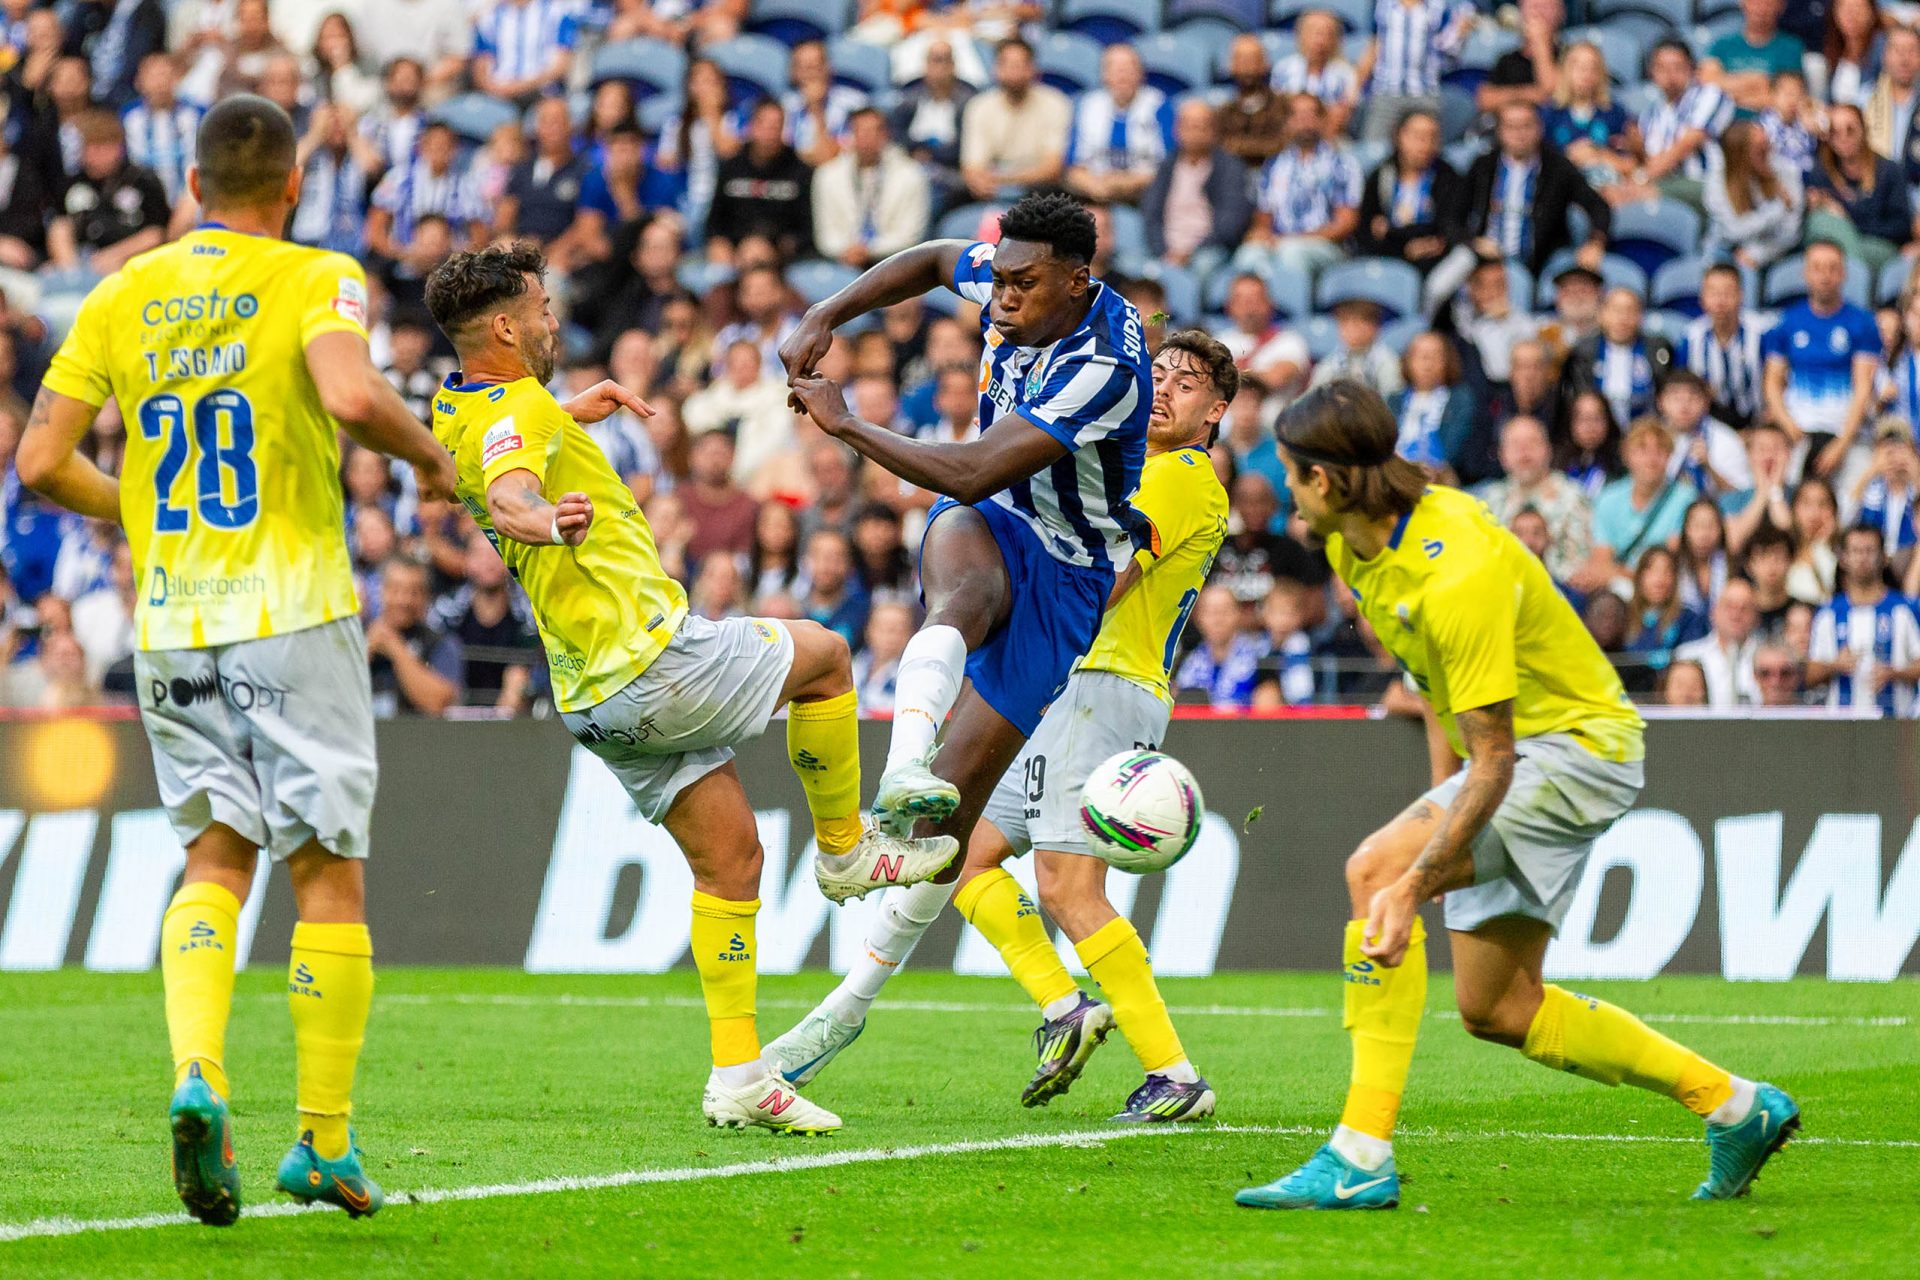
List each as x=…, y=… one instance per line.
x=605, y=608
x=1474, y=618
x=1183, y=499
x=230, y=491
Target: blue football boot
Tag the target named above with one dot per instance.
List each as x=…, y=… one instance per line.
x=307, y=1175
x=204, y=1172
x=1736, y=1152
x=1328, y=1181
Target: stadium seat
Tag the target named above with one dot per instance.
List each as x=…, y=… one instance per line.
x=1395, y=337
x=698, y=276
x=1369, y=155
x=1702, y=36
x=1635, y=98
x=655, y=112
x=1290, y=295
x=1182, y=288
x=1520, y=286
x=1705, y=9
x=1623, y=52
x=652, y=67
x=1108, y=21
x=1893, y=279
x=1355, y=15
x=964, y=223
x=1616, y=272
x=1671, y=325
x=793, y=22
x=942, y=302
x=1457, y=113
x=755, y=66
x=1231, y=16
x=863, y=66
x=1654, y=232
x=816, y=280
x=1129, y=231
x=1676, y=286
x=1785, y=283
x=1481, y=49
x=1068, y=61
x=1322, y=336
x=1391, y=283
x=1463, y=153
x=1177, y=62
x=474, y=116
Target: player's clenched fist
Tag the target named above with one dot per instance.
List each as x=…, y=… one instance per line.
x=573, y=516
x=807, y=345
x=820, y=399
x=436, y=483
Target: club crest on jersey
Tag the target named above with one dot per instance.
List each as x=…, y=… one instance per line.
x=350, y=299
x=1034, y=380
x=501, y=439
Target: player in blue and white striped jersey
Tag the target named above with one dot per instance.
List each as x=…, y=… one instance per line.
x=523, y=48
x=1866, y=642
x=1018, y=559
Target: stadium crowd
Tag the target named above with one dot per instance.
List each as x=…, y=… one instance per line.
x=1644, y=282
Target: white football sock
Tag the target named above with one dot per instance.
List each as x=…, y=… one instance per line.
x=1062, y=1007
x=1180, y=1072
x=1363, y=1149
x=741, y=1074
x=931, y=668
x=904, y=916
x=1737, y=1106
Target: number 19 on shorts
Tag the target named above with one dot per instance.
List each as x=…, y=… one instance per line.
x=225, y=483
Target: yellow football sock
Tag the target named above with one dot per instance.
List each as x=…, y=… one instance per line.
x=994, y=903
x=1383, y=1011
x=1599, y=1041
x=329, y=989
x=197, y=938
x=723, y=948
x=1117, y=960
x=823, y=744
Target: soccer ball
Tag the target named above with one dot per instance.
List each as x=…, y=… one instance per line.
x=1141, y=811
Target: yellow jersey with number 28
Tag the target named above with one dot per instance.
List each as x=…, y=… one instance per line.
x=605, y=608
x=1183, y=500
x=1474, y=618
x=230, y=489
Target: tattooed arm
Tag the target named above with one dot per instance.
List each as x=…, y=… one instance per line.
x=49, y=461
x=1447, y=861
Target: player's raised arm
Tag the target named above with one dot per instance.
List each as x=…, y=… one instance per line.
x=360, y=398
x=906, y=274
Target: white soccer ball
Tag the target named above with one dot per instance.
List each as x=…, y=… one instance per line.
x=1141, y=811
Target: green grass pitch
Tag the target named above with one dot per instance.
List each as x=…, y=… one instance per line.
x=491, y=1080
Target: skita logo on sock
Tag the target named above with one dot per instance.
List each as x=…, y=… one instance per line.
x=1025, y=908
x=300, y=982
x=812, y=763
x=736, y=950
x=202, y=937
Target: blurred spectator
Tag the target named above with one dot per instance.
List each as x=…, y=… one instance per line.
x=1583, y=121
x=746, y=403
x=1777, y=672
x=340, y=73
x=1247, y=445
x=371, y=542
x=26, y=202
x=1413, y=206
x=50, y=135
x=1797, y=632
x=103, y=616
x=1679, y=126
x=1484, y=317
x=1309, y=199
x=1589, y=448
x=1816, y=542
x=1865, y=646
x=543, y=191
x=1768, y=561
x=636, y=293
x=1794, y=122
x=1286, y=668
x=1414, y=41
x=818, y=109
x=719, y=512
x=1821, y=362
x=55, y=678
x=678, y=21
x=1684, y=684
x=1754, y=199
x=881, y=565
x=1708, y=452
x=718, y=591
x=1621, y=362
x=1266, y=351
x=1744, y=62
x=1317, y=66
x=926, y=120
x=956, y=403
x=1768, y=456
x=408, y=348
x=1201, y=199
x=524, y=48
x=1253, y=120
x=493, y=626
x=428, y=184
x=1724, y=347
x=1258, y=551
x=249, y=50
x=1531, y=482
x=766, y=319
x=876, y=665
x=393, y=127
x=1658, y=620
x=1120, y=132
x=1226, y=662
x=111, y=209
x=762, y=190
x=435, y=36
x=1856, y=198
x=836, y=497
x=833, y=596
x=1529, y=72
x=283, y=83
x=1643, y=508
x=1889, y=106
x=1014, y=135
x=1701, y=555
x=159, y=127
x=697, y=139
x=1520, y=198
x=1360, y=355
x=332, y=213
x=1725, y=653
x=1886, y=492
x=1605, y=617
x=1435, y=412
x=773, y=560
x=414, y=666
x=871, y=200
x=1844, y=69
x=1577, y=290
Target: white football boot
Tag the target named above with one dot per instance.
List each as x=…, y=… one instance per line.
x=882, y=861
x=910, y=792
x=769, y=1103
x=812, y=1043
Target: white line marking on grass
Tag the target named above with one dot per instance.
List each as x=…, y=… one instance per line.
x=42, y=1228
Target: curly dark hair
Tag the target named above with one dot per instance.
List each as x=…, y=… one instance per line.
x=1210, y=356
x=1055, y=219
x=467, y=284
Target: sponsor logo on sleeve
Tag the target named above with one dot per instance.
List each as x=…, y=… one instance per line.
x=502, y=438
x=350, y=299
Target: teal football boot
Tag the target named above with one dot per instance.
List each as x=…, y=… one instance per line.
x=307, y=1175
x=1736, y=1152
x=1328, y=1181
x=204, y=1172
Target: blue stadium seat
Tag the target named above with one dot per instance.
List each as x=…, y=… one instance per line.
x=1182, y=288
x=1457, y=113
x=1463, y=153
x=1391, y=283
x=1671, y=325
x=1785, y=283
x=1893, y=278
x=942, y=302
x=964, y=223
x=1369, y=155
x=866, y=67
x=1129, y=239
x=1635, y=98
x=1108, y=21
x=794, y=22
x=1705, y=9
x=1355, y=15
x=1232, y=15
x=652, y=67
x=1395, y=337
x=1676, y=286
x=1322, y=336
x=1068, y=61
x=1654, y=232
x=698, y=276
x=816, y=280
x=1520, y=286
x=474, y=116
x=1482, y=48
x=1616, y=272
x=655, y=112
x=755, y=66
x=1177, y=62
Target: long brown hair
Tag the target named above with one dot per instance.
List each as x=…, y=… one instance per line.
x=1835, y=44
x=1637, y=625
x=1344, y=428
x=1736, y=144
x=1830, y=159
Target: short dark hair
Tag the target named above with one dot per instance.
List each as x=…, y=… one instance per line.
x=1680, y=47
x=1723, y=269
x=1345, y=428
x=1769, y=536
x=1211, y=355
x=467, y=284
x=875, y=112
x=244, y=151
x=1013, y=42
x=1687, y=379
x=1055, y=219
x=1873, y=531
x=625, y=129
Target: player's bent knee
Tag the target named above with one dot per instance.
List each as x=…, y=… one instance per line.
x=1369, y=869
x=1497, y=1022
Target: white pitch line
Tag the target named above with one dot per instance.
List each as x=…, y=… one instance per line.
x=43, y=1228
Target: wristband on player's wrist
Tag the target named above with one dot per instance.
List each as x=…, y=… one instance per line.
x=558, y=541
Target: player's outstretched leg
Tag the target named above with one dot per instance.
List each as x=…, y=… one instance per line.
x=1502, y=999
x=823, y=745
x=330, y=991
x=714, y=826
x=198, y=936
x=931, y=668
